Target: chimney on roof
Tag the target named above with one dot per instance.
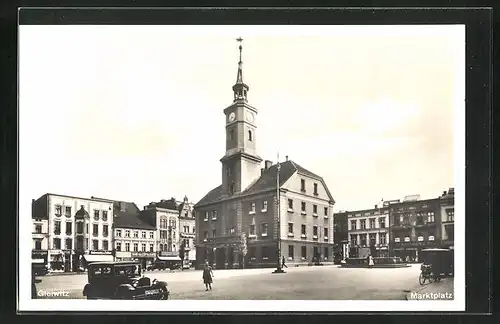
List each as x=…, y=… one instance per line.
x=451, y=191
x=444, y=193
x=375, y=206
x=261, y=171
x=286, y=158
x=122, y=206
x=267, y=164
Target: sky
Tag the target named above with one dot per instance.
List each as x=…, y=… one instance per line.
x=135, y=113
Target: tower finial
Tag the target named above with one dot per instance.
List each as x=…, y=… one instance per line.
x=240, y=40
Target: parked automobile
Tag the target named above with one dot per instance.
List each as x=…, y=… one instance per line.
x=39, y=268
x=122, y=280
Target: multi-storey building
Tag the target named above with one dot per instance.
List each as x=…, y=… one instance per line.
x=40, y=238
x=73, y=235
x=187, y=229
x=341, y=236
x=164, y=216
x=418, y=224
x=134, y=239
x=368, y=231
x=296, y=220
x=447, y=202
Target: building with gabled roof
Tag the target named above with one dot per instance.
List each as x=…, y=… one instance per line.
x=295, y=221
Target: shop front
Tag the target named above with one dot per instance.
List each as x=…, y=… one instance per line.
x=40, y=255
x=39, y=263
x=123, y=256
x=56, y=260
x=220, y=252
x=382, y=251
x=145, y=258
x=168, y=259
x=97, y=256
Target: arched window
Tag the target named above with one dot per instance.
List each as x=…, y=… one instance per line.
x=250, y=135
x=231, y=135
x=231, y=190
x=161, y=247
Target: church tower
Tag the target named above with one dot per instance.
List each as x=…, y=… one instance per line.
x=240, y=164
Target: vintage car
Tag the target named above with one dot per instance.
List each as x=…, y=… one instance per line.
x=122, y=280
x=38, y=268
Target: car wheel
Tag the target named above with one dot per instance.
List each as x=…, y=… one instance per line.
x=421, y=278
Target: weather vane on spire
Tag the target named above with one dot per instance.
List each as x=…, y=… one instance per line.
x=240, y=40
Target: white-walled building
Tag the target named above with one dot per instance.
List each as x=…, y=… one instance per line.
x=164, y=216
x=76, y=230
x=187, y=230
x=369, y=229
x=134, y=239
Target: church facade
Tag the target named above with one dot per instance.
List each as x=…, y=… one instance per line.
x=246, y=221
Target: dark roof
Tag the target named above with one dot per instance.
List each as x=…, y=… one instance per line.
x=166, y=204
x=82, y=213
x=127, y=216
x=212, y=196
x=267, y=181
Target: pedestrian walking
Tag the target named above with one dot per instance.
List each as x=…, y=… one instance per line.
x=370, y=261
x=208, y=275
x=283, y=265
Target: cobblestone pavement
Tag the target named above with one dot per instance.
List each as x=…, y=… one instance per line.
x=304, y=283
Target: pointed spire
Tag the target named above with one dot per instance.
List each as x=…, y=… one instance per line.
x=240, y=89
x=239, y=77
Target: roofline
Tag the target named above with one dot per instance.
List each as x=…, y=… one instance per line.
x=241, y=196
x=159, y=208
x=387, y=207
x=74, y=197
x=133, y=227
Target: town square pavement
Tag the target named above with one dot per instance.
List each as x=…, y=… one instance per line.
x=300, y=283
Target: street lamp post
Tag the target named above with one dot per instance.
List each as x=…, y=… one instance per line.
x=279, y=269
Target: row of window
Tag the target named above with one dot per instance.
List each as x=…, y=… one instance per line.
x=135, y=247
x=303, y=231
x=303, y=208
x=450, y=215
x=186, y=230
x=303, y=187
x=168, y=223
x=167, y=234
x=79, y=228
x=231, y=135
x=231, y=231
x=370, y=213
x=67, y=210
x=422, y=218
x=56, y=244
x=119, y=233
x=265, y=252
x=371, y=237
x=167, y=248
x=98, y=214
x=362, y=223
x=420, y=238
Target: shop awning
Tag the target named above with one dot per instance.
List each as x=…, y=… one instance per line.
x=98, y=257
x=169, y=258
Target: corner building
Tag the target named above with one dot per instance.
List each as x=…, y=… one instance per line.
x=246, y=202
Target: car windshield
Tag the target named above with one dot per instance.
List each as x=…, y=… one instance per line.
x=101, y=270
x=128, y=270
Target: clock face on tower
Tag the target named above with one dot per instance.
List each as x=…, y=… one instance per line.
x=250, y=117
x=232, y=116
